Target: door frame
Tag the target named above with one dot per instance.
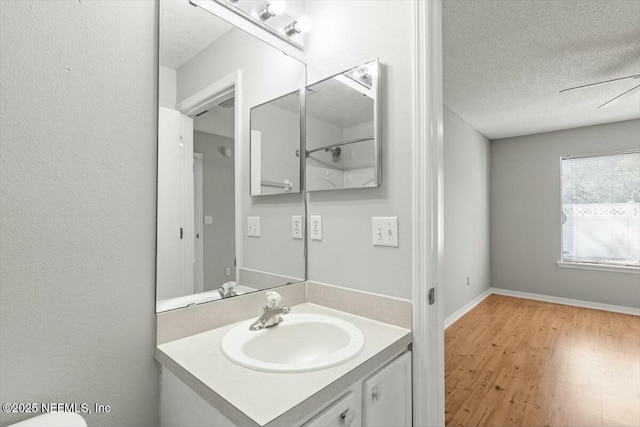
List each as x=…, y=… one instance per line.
x=219, y=91
x=427, y=216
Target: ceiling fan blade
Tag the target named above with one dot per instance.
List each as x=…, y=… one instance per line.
x=628, y=92
x=635, y=76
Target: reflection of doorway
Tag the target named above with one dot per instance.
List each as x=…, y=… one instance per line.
x=213, y=234
x=186, y=212
x=213, y=138
x=198, y=224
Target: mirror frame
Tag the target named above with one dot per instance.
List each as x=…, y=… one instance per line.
x=377, y=129
x=301, y=138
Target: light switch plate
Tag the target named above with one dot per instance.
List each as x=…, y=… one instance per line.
x=253, y=226
x=208, y=220
x=315, y=227
x=384, y=231
x=296, y=226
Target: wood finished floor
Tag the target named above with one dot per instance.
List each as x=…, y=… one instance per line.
x=519, y=362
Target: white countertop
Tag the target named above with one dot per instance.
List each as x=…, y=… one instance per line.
x=250, y=397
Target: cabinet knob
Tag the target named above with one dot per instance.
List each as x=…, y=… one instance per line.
x=347, y=417
x=376, y=392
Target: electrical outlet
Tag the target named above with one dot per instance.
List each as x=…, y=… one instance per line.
x=227, y=271
x=468, y=281
x=384, y=231
x=316, y=227
x=208, y=220
x=296, y=226
x=253, y=226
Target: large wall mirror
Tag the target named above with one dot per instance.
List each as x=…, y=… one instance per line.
x=210, y=75
x=343, y=130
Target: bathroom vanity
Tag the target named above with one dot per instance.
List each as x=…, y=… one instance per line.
x=203, y=387
x=334, y=356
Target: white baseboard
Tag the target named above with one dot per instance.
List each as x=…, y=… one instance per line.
x=537, y=297
x=565, y=301
x=450, y=320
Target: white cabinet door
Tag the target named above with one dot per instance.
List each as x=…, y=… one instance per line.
x=387, y=395
x=344, y=413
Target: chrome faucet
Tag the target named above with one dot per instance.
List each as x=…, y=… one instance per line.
x=272, y=314
x=227, y=290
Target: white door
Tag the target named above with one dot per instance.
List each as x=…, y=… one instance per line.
x=256, y=163
x=175, y=253
x=387, y=395
x=198, y=225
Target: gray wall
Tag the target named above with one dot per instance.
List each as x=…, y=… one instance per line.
x=78, y=185
x=525, y=215
x=466, y=213
x=344, y=35
x=218, y=202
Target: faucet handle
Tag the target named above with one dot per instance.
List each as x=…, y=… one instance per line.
x=273, y=299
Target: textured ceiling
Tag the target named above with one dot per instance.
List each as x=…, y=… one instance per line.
x=505, y=62
x=332, y=102
x=335, y=103
x=179, y=21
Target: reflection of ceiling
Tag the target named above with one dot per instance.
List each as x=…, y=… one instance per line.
x=179, y=21
x=338, y=104
x=289, y=103
x=505, y=62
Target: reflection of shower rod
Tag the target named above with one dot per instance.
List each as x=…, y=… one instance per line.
x=330, y=146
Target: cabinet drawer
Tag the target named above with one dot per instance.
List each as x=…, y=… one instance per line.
x=387, y=395
x=343, y=413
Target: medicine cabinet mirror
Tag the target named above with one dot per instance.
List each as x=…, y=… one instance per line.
x=213, y=239
x=275, y=146
x=343, y=130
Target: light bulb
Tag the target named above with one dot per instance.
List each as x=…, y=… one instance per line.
x=272, y=8
x=277, y=7
x=362, y=73
x=303, y=24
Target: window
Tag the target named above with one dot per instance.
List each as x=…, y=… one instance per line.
x=601, y=209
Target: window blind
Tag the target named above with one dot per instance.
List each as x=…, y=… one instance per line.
x=601, y=209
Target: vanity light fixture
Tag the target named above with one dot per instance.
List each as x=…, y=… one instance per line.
x=363, y=75
x=302, y=25
x=272, y=8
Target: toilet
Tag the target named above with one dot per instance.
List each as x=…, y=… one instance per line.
x=53, y=419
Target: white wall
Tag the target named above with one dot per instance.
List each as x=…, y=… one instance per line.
x=266, y=74
x=466, y=213
x=166, y=87
x=218, y=202
x=78, y=185
x=345, y=34
x=525, y=215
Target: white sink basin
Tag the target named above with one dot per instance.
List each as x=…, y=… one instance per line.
x=301, y=343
